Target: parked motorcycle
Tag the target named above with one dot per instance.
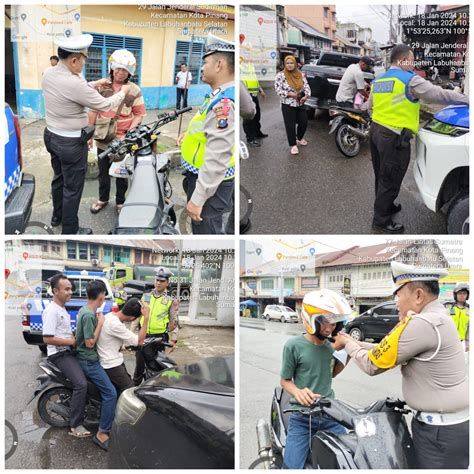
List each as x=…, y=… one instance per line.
x=147, y=208
x=377, y=437
x=352, y=128
x=56, y=389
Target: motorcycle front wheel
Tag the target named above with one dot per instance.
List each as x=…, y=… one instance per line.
x=347, y=143
x=53, y=406
x=263, y=463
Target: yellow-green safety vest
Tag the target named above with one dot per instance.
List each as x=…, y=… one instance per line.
x=461, y=319
x=159, y=314
x=121, y=297
x=249, y=78
x=392, y=104
x=194, y=143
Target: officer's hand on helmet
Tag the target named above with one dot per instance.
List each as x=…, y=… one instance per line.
x=103, y=82
x=305, y=396
x=126, y=89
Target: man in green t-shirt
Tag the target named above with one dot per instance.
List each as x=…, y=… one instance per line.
x=308, y=368
x=89, y=324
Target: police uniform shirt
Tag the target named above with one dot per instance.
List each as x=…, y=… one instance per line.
x=427, y=93
x=218, y=152
x=56, y=323
x=439, y=385
x=66, y=96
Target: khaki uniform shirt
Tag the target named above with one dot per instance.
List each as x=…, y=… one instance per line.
x=66, y=96
x=218, y=152
x=439, y=385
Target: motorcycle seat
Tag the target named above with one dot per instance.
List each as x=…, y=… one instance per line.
x=349, y=440
x=352, y=110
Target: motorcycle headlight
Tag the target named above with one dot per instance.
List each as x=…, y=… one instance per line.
x=129, y=408
x=445, y=129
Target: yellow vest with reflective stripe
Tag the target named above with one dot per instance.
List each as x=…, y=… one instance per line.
x=461, y=319
x=159, y=314
x=249, y=78
x=392, y=106
x=194, y=143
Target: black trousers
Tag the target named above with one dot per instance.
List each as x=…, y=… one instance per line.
x=70, y=367
x=181, y=93
x=441, y=447
x=69, y=163
x=390, y=162
x=214, y=208
x=140, y=360
x=120, y=378
x=252, y=128
x=121, y=184
x=296, y=121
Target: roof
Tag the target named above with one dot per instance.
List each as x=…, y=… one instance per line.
x=346, y=42
x=307, y=29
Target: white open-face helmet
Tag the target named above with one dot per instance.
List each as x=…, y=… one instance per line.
x=122, y=58
x=324, y=307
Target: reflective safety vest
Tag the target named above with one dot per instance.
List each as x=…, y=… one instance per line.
x=392, y=105
x=159, y=314
x=120, y=297
x=195, y=140
x=461, y=319
x=249, y=78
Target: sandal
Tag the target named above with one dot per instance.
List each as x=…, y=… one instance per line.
x=118, y=207
x=98, y=206
x=80, y=432
x=302, y=142
x=294, y=150
x=104, y=445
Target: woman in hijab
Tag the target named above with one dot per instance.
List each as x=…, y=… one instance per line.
x=293, y=89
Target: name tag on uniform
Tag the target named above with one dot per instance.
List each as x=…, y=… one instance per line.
x=385, y=86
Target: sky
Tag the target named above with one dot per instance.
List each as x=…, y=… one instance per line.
x=375, y=17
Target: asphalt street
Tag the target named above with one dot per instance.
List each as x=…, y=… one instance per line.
x=42, y=447
x=260, y=362
x=319, y=191
x=36, y=161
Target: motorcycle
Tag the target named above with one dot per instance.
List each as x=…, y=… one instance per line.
x=377, y=437
x=56, y=389
x=351, y=126
x=147, y=208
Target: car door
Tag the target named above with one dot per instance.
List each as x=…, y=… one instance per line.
x=383, y=316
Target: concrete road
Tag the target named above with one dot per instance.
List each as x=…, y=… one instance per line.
x=36, y=161
x=319, y=191
x=260, y=363
x=43, y=447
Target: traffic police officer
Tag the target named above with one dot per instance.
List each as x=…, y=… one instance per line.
x=252, y=127
x=66, y=96
x=425, y=344
x=459, y=311
x=395, y=102
x=162, y=319
x=207, y=147
x=120, y=296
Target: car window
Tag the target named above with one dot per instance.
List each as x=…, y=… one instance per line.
x=385, y=310
x=286, y=308
x=121, y=273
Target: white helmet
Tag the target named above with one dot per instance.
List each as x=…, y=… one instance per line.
x=460, y=287
x=122, y=58
x=324, y=307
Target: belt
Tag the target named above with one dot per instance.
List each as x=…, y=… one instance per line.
x=65, y=133
x=443, y=418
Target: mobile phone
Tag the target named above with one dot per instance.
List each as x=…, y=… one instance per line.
x=147, y=298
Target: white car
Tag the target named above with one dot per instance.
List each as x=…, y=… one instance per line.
x=441, y=168
x=280, y=313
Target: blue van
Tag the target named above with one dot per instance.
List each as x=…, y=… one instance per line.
x=19, y=186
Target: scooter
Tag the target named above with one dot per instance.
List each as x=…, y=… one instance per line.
x=377, y=437
x=352, y=127
x=56, y=389
x=147, y=208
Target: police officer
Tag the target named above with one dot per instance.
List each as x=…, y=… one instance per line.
x=163, y=317
x=66, y=96
x=425, y=344
x=252, y=127
x=395, y=100
x=459, y=311
x=120, y=296
x=207, y=147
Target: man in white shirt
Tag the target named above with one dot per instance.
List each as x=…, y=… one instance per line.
x=114, y=335
x=353, y=81
x=57, y=334
x=183, y=81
